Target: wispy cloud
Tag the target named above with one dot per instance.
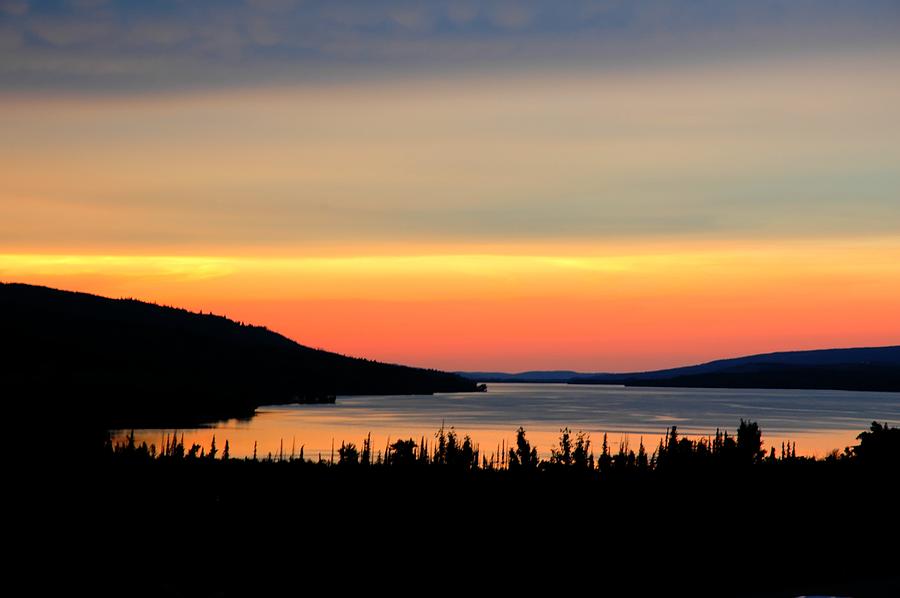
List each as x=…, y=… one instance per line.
x=14, y=7
x=802, y=149
x=209, y=43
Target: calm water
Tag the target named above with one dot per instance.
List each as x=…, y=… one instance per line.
x=817, y=420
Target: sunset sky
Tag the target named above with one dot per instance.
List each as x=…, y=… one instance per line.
x=592, y=185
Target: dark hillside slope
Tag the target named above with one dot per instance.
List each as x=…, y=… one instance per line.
x=850, y=376
x=122, y=362
x=863, y=368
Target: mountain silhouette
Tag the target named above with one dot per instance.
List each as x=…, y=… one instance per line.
x=864, y=368
x=128, y=363
x=533, y=376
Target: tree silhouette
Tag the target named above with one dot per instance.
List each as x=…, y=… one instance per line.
x=562, y=455
x=348, y=456
x=582, y=458
x=749, y=443
x=524, y=456
x=402, y=453
x=880, y=445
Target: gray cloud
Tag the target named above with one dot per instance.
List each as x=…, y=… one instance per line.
x=108, y=45
x=512, y=15
x=160, y=33
x=462, y=12
x=413, y=16
x=87, y=4
x=10, y=39
x=14, y=7
x=273, y=6
x=65, y=32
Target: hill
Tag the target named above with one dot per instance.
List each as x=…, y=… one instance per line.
x=864, y=368
x=128, y=363
x=536, y=376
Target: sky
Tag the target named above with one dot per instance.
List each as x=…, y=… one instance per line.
x=591, y=185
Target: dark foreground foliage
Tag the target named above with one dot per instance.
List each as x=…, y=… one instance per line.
x=717, y=516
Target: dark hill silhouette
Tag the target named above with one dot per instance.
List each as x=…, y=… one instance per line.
x=124, y=363
x=865, y=368
x=843, y=376
x=536, y=376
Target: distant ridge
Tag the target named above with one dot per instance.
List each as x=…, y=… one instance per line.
x=128, y=363
x=864, y=368
x=535, y=376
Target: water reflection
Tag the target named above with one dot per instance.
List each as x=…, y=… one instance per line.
x=816, y=420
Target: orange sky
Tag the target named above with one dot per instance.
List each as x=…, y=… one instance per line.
x=601, y=211
x=602, y=308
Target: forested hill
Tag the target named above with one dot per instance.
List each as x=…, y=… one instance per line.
x=123, y=362
x=862, y=368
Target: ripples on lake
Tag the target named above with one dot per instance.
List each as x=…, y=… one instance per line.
x=817, y=420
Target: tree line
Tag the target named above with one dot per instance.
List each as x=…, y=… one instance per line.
x=574, y=453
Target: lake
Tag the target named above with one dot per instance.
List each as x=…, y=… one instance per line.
x=817, y=420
